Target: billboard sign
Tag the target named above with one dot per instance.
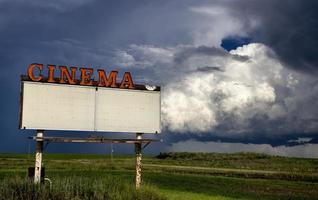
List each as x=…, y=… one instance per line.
x=86, y=104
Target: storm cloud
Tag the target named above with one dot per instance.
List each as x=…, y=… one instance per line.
x=251, y=90
x=289, y=27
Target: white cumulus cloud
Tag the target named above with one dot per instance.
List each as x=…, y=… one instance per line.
x=209, y=90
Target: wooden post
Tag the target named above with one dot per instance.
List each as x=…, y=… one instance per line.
x=38, y=156
x=138, y=160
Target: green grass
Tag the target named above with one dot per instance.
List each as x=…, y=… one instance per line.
x=106, y=187
x=253, y=161
x=234, y=187
x=176, y=176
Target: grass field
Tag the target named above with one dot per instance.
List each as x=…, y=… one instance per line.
x=167, y=176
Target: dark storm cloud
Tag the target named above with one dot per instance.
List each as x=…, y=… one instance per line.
x=202, y=50
x=189, y=52
x=289, y=27
x=209, y=69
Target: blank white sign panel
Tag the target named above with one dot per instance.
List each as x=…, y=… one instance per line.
x=48, y=106
x=127, y=110
x=57, y=107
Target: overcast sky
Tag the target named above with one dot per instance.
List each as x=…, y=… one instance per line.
x=237, y=75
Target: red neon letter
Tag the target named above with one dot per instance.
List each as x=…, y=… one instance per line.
x=65, y=74
x=51, y=74
x=127, y=81
x=104, y=81
x=86, y=74
x=30, y=71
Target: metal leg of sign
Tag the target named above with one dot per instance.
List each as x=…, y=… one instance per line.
x=138, y=160
x=111, y=153
x=38, y=156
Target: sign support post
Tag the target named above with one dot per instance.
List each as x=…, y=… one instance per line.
x=138, y=160
x=38, y=156
x=40, y=140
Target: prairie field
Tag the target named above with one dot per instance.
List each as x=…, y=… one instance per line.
x=197, y=176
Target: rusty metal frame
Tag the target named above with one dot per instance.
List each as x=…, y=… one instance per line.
x=21, y=104
x=143, y=147
x=94, y=140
